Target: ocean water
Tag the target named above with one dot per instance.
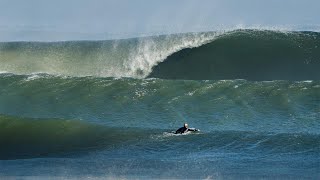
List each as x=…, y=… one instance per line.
x=107, y=109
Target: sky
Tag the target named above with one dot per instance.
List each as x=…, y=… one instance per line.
x=78, y=19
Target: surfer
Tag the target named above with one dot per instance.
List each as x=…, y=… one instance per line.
x=185, y=129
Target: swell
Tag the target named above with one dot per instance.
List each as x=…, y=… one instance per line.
x=275, y=106
x=31, y=138
x=247, y=54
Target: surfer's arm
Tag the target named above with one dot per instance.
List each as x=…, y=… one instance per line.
x=193, y=129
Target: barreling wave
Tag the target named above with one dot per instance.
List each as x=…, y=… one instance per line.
x=251, y=55
x=239, y=54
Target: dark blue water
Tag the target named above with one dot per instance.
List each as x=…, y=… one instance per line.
x=78, y=119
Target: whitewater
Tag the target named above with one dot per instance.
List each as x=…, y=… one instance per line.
x=106, y=109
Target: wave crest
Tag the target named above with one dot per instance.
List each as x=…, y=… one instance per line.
x=113, y=58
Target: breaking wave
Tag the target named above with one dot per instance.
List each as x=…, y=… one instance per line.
x=239, y=54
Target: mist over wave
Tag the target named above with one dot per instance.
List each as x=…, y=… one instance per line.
x=112, y=58
x=239, y=54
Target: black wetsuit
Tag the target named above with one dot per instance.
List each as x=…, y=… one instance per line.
x=184, y=130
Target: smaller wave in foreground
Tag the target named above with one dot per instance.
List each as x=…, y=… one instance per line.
x=31, y=138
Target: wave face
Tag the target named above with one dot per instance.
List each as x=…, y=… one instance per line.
x=251, y=55
x=240, y=54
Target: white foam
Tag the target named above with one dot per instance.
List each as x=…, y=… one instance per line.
x=152, y=51
x=32, y=77
x=308, y=81
x=4, y=72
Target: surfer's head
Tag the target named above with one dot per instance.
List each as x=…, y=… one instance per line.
x=185, y=125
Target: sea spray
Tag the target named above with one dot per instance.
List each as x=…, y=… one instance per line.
x=112, y=58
